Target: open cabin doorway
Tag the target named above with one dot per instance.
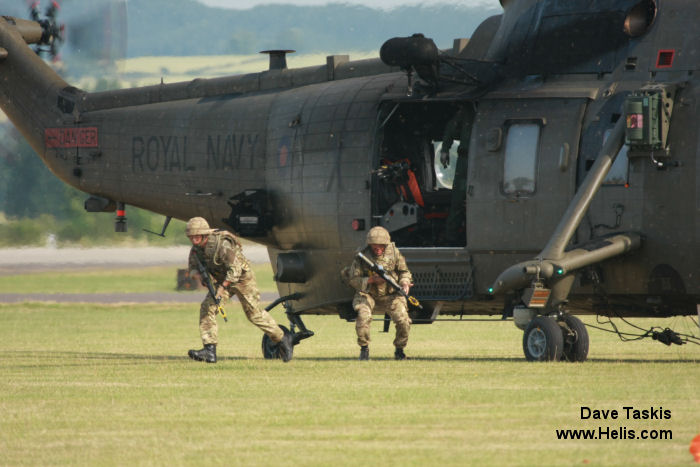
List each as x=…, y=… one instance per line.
x=412, y=190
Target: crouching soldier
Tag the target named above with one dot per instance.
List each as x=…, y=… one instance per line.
x=373, y=293
x=220, y=253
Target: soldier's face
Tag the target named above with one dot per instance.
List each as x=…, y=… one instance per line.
x=377, y=250
x=196, y=239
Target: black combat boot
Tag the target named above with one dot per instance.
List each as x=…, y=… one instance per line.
x=206, y=354
x=286, y=347
x=364, y=352
x=399, y=355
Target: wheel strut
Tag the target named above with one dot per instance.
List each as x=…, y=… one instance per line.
x=295, y=322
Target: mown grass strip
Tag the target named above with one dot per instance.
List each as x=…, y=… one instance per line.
x=101, y=280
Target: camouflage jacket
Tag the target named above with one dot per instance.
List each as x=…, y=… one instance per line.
x=392, y=261
x=223, y=258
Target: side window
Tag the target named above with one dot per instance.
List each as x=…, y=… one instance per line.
x=619, y=172
x=520, y=164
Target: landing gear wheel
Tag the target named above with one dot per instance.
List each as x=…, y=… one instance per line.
x=270, y=350
x=543, y=340
x=575, y=338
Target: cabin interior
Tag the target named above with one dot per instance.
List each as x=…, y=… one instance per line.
x=411, y=189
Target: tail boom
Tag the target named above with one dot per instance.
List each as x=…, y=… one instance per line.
x=32, y=94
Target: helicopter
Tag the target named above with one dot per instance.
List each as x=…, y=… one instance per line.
x=581, y=194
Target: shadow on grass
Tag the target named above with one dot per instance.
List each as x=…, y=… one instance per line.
x=71, y=358
x=410, y=359
x=641, y=360
x=497, y=359
x=8, y=355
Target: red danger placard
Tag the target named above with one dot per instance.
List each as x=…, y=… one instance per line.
x=71, y=137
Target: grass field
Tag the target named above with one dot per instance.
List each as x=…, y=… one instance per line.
x=111, y=385
x=100, y=280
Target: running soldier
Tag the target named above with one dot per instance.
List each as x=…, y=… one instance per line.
x=220, y=253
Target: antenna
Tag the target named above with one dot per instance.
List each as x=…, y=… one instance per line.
x=162, y=232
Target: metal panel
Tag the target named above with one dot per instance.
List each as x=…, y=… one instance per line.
x=440, y=273
x=497, y=222
x=321, y=150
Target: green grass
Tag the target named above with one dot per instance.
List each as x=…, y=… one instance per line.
x=147, y=279
x=111, y=385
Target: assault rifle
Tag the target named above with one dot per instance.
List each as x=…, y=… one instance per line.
x=379, y=270
x=207, y=281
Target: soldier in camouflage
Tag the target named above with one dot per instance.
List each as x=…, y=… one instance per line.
x=221, y=254
x=373, y=293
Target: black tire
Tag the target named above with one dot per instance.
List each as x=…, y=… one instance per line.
x=270, y=350
x=543, y=340
x=575, y=338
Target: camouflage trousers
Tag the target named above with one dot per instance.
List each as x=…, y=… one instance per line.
x=393, y=305
x=249, y=296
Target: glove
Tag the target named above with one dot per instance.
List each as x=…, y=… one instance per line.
x=445, y=158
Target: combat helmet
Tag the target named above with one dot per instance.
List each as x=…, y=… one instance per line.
x=197, y=226
x=378, y=236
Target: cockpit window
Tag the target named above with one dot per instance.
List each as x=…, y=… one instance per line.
x=520, y=165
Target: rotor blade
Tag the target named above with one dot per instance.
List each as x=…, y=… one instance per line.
x=98, y=33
